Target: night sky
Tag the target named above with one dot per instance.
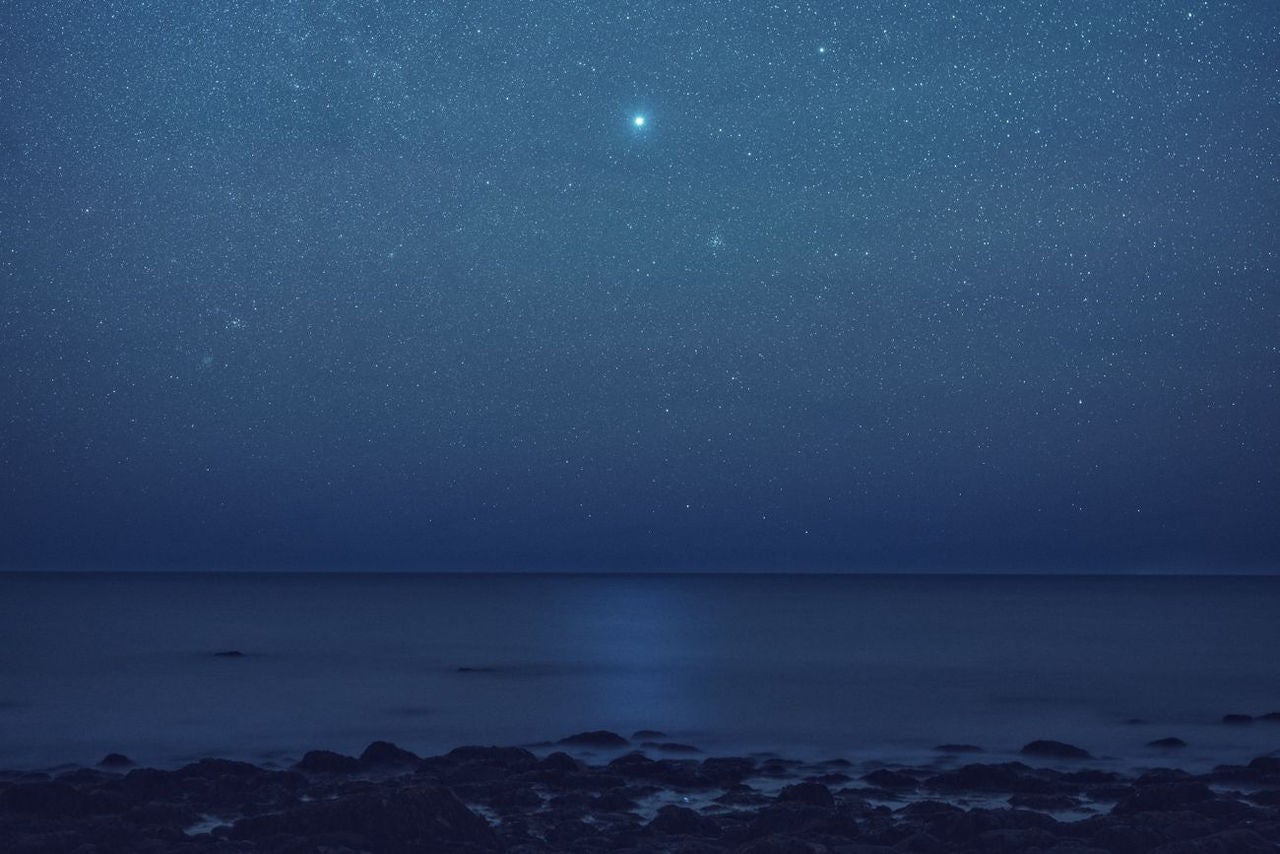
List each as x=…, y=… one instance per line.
x=380, y=284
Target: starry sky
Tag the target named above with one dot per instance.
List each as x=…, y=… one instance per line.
x=876, y=286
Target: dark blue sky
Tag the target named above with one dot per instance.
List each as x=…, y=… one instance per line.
x=389, y=285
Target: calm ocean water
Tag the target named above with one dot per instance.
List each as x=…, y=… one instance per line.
x=865, y=667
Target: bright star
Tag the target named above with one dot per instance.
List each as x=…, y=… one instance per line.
x=638, y=121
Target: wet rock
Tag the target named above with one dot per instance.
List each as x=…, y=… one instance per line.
x=1044, y=803
x=801, y=819
x=814, y=794
x=886, y=779
x=45, y=800
x=1265, y=764
x=727, y=770
x=1054, y=750
x=595, y=738
x=643, y=734
x=1163, y=797
x=1169, y=743
x=115, y=760
x=558, y=762
x=671, y=747
x=1267, y=797
x=681, y=821
x=327, y=762
x=1237, y=719
x=1238, y=841
x=1011, y=777
x=507, y=758
x=396, y=822
x=382, y=753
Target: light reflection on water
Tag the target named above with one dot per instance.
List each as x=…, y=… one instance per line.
x=812, y=665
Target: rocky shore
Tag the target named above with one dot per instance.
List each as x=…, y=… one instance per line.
x=599, y=791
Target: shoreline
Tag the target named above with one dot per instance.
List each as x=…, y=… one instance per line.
x=600, y=791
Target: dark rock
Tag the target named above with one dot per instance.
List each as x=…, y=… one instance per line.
x=1054, y=750
x=230, y=653
x=886, y=779
x=210, y=769
x=1044, y=803
x=799, y=819
x=476, y=670
x=386, y=753
x=508, y=758
x=681, y=773
x=1163, y=797
x=559, y=762
x=681, y=821
x=327, y=762
x=1265, y=764
x=595, y=738
x=1089, y=777
x=958, y=748
x=643, y=734
x=1267, y=797
x=1012, y=777
x=672, y=747
x=56, y=800
x=115, y=760
x=776, y=845
x=1238, y=841
x=1237, y=719
x=814, y=794
x=614, y=800
x=1273, y=717
x=429, y=819
x=727, y=770
x=1168, y=743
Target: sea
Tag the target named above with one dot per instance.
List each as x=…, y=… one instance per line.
x=870, y=668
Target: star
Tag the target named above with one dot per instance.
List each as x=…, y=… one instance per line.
x=638, y=121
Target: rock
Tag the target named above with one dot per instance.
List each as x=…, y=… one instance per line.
x=327, y=762
x=1267, y=797
x=1237, y=719
x=1265, y=764
x=1163, y=797
x=386, y=753
x=1169, y=743
x=643, y=734
x=508, y=758
x=1011, y=777
x=958, y=748
x=681, y=821
x=559, y=762
x=1273, y=717
x=671, y=747
x=1237, y=841
x=476, y=670
x=1054, y=750
x=1044, y=803
x=115, y=760
x=727, y=770
x=797, y=818
x=596, y=738
x=229, y=653
x=886, y=779
x=428, y=818
x=53, y=800
x=814, y=794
